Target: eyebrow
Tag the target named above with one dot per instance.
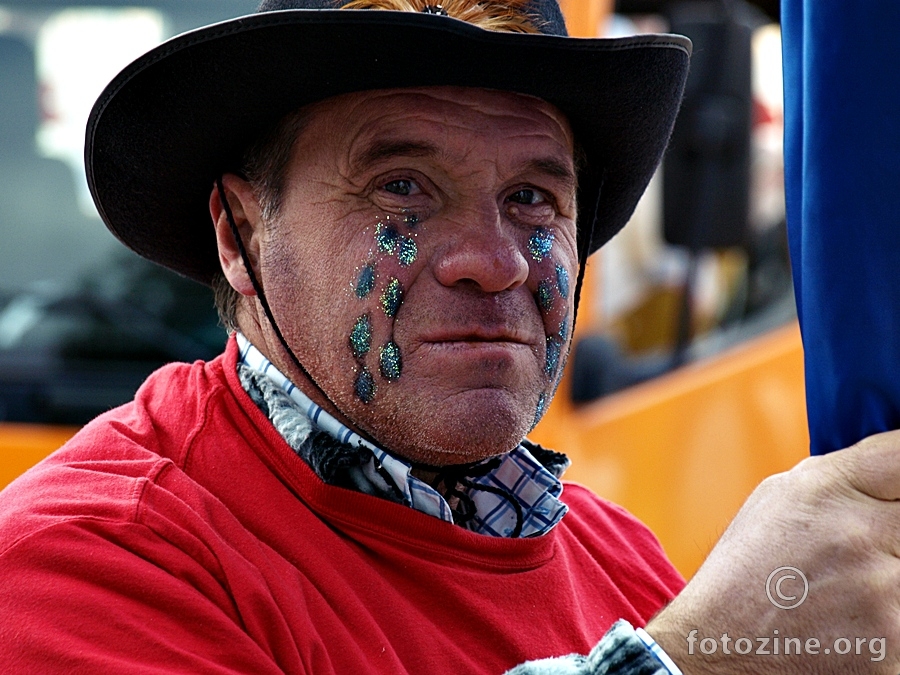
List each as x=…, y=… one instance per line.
x=385, y=149
x=555, y=169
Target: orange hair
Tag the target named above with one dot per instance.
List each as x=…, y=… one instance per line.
x=509, y=17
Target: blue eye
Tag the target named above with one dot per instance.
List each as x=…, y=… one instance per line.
x=401, y=187
x=526, y=196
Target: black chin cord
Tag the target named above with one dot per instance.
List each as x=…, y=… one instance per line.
x=257, y=287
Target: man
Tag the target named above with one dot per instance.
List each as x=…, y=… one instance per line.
x=402, y=205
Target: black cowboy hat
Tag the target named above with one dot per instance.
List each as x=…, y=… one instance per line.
x=184, y=113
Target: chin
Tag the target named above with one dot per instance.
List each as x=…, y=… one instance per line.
x=459, y=434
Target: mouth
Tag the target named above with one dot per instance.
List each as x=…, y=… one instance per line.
x=484, y=356
x=483, y=349
x=477, y=337
x=479, y=347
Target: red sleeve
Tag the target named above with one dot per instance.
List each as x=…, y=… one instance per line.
x=138, y=582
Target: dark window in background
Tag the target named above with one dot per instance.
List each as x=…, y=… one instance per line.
x=83, y=320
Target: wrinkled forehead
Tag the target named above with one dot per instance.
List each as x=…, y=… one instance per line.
x=440, y=112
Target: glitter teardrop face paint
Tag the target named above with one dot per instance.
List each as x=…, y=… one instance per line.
x=387, y=238
x=552, y=299
x=545, y=295
x=365, y=281
x=361, y=336
x=541, y=244
x=390, y=362
x=562, y=281
x=392, y=298
x=379, y=287
x=364, y=385
x=407, y=251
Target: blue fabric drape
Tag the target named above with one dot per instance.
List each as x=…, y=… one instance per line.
x=842, y=173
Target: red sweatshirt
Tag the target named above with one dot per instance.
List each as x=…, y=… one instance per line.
x=180, y=534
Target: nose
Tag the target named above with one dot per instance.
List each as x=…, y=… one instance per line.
x=481, y=249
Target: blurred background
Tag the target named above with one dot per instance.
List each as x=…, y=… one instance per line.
x=82, y=320
x=684, y=387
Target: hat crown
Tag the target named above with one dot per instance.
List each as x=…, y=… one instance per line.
x=547, y=15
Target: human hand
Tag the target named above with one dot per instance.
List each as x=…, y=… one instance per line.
x=836, y=519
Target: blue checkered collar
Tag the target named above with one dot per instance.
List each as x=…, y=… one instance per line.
x=518, y=475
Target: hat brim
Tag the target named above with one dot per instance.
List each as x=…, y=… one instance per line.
x=183, y=113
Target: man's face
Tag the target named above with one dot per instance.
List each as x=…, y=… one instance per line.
x=422, y=266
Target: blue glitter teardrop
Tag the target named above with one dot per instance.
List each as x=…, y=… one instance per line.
x=545, y=295
x=392, y=297
x=365, y=281
x=387, y=237
x=408, y=252
x=361, y=336
x=553, y=351
x=364, y=386
x=390, y=361
x=540, y=410
x=562, y=280
x=564, y=329
x=540, y=243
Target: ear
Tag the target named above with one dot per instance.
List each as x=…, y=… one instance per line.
x=246, y=211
